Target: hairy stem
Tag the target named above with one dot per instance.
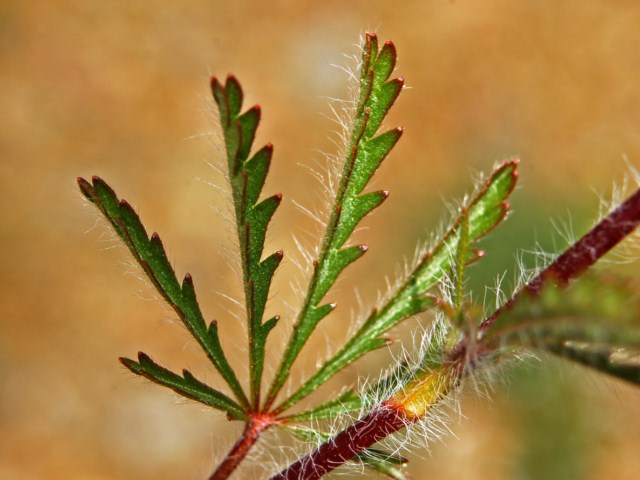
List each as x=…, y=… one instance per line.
x=391, y=415
x=406, y=406
x=239, y=451
x=380, y=423
x=583, y=254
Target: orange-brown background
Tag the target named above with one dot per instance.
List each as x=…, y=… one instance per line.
x=119, y=89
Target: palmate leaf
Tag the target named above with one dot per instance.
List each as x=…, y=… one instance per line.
x=186, y=385
x=150, y=254
x=366, y=151
x=247, y=176
x=480, y=215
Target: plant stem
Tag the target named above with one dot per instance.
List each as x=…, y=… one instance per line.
x=581, y=255
x=407, y=406
x=254, y=428
x=380, y=423
x=389, y=417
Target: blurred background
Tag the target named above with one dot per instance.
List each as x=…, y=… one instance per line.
x=120, y=89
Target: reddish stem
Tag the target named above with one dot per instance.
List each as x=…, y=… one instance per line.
x=370, y=429
x=583, y=254
x=239, y=451
x=386, y=420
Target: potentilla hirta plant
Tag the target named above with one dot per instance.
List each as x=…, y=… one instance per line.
x=589, y=321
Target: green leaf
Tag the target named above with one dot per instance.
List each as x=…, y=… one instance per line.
x=186, y=385
x=372, y=154
x=369, y=52
x=220, y=97
x=256, y=173
x=354, y=210
x=381, y=101
x=412, y=296
x=365, y=152
x=234, y=96
x=247, y=177
x=189, y=303
x=348, y=401
x=489, y=208
x=385, y=62
x=160, y=265
x=336, y=262
x=248, y=122
x=257, y=221
x=151, y=255
x=261, y=282
x=315, y=315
